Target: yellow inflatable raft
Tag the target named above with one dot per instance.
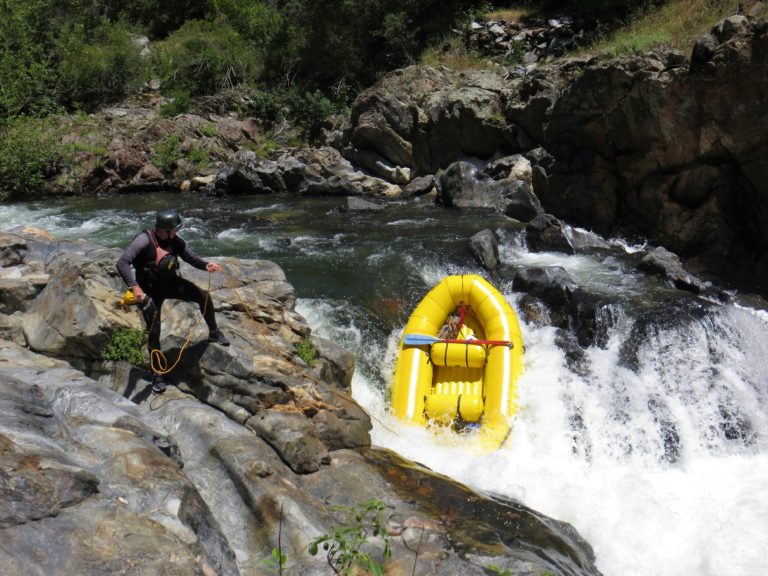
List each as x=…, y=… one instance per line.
x=460, y=357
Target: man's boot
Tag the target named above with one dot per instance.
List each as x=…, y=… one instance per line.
x=158, y=383
x=217, y=337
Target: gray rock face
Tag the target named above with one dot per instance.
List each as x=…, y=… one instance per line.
x=85, y=486
x=677, y=153
x=464, y=186
x=656, y=144
x=664, y=263
x=242, y=456
x=424, y=118
x=312, y=171
x=485, y=247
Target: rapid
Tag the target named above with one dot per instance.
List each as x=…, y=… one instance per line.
x=652, y=443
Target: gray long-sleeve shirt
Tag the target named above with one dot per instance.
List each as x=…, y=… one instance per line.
x=141, y=251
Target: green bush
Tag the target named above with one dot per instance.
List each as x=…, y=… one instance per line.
x=204, y=57
x=306, y=351
x=310, y=108
x=127, y=344
x=99, y=66
x=342, y=546
x=167, y=154
x=170, y=151
x=158, y=18
x=29, y=153
x=27, y=68
x=179, y=102
x=256, y=21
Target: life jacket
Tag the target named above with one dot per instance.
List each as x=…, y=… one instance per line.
x=164, y=266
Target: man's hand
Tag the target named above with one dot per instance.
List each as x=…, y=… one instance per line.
x=138, y=293
x=212, y=267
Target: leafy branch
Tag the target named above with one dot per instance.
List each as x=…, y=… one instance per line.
x=343, y=546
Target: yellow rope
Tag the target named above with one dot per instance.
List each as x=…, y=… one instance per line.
x=157, y=360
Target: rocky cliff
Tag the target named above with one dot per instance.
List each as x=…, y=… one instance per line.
x=666, y=146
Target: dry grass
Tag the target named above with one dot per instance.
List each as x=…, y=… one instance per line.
x=512, y=14
x=675, y=24
x=452, y=54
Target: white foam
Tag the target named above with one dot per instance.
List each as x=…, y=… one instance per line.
x=705, y=514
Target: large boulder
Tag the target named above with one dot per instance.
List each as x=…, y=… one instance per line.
x=87, y=485
x=463, y=185
x=423, y=118
x=75, y=315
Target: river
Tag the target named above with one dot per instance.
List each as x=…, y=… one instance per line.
x=652, y=444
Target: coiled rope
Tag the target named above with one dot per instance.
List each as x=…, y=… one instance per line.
x=158, y=363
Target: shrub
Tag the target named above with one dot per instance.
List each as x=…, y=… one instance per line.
x=27, y=71
x=127, y=345
x=99, y=66
x=342, y=546
x=171, y=150
x=310, y=108
x=167, y=154
x=29, y=153
x=179, y=102
x=203, y=57
x=306, y=351
x=255, y=21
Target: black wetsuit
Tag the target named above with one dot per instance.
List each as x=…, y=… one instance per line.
x=163, y=282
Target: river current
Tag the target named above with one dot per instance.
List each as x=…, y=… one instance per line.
x=653, y=444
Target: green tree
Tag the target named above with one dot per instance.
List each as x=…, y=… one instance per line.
x=29, y=153
x=99, y=66
x=27, y=68
x=203, y=57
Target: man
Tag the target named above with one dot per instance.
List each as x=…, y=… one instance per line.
x=154, y=256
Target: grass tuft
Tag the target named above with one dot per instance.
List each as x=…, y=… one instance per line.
x=670, y=25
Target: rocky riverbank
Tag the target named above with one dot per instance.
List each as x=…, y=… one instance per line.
x=666, y=146
x=250, y=451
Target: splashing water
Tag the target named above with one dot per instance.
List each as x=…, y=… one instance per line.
x=662, y=467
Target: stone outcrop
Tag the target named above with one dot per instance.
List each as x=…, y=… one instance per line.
x=673, y=149
x=311, y=171
x=241, y=457
x=661, y=145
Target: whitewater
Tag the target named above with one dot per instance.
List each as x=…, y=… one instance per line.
x=660, y=463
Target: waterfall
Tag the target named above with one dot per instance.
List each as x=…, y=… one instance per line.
x=655, y=450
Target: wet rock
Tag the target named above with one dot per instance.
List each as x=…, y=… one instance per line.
x=355, y=204
x=485, y=247
x=545, y=232
x=419, y=186
x=667, y=265
x=464, y=186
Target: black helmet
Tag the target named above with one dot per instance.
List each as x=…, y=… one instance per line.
x=168, y=219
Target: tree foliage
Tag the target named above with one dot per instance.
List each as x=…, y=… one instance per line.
x=81, y=54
